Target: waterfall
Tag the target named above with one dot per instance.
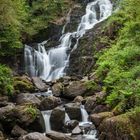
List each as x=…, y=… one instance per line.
x=67, y=118
x=84, y=114
x=46, y=116
x=51, y=65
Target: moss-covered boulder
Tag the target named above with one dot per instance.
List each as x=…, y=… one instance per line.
x=23, y=84
x=121, y=127
x=98, y=118
x=74, y=89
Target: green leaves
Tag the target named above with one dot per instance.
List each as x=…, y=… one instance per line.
x=6, y=81
x=119, y=66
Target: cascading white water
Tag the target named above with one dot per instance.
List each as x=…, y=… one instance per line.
x=51, y=65
x=84, y=114
x=46, y=116
x=67, y=118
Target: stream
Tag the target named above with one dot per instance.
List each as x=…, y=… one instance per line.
x=51, y=65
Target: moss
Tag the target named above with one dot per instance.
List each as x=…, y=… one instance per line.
x=22, y=84
x=31, y=110
x=6, y=81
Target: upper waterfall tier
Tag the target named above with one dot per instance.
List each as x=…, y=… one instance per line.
x=50, y=65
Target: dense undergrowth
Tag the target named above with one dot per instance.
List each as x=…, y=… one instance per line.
x=118, y=67
x=20, y=19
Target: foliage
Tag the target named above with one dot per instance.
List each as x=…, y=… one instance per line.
x=21, y=19
x=12, y=15
x=31, y=110
x=119, y=67
x=6, y=81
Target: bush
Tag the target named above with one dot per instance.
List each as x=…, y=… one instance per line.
x=6, y=81
x=118, y=67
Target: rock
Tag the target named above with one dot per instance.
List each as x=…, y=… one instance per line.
x=75, y=88
x=73, y=110
x=98, y=118
x=3, y=101
x=18, y=131
x=57, y=89
x=40, y=85
x=25, y=115
x=58, y=136
x=34, y=136
x=23, y=84
x=38, y=125
x=76, y=130
x=78, y=99
x=93, y=101
x=6, y=111
x=27, y=98
x=57, y=119
x=100, y=108
x=122, y=127
x=70, y=125
x=1, y=136
x=50, y=103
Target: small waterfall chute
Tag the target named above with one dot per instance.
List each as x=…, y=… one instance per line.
x=46, y=116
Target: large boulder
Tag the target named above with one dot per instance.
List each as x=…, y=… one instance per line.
x=34, y=136
x=57, y=89
x=121, y=127
x=75, y=88
x=58, y=136
x=18, y=131
x=57, y=119
x=25, y=115
x=70, y=125
x=74, y=111
x=78, y=99
x=50, y=103
x=93, y=101
x=27, y=98
x=100, y=108
x=23, y=84
x=6, y=111
x=40, y=85
x=98, y=118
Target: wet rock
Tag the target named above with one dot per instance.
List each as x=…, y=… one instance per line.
x=98, y=118
x=73, y=110
x=78, y=99
x=93, y=101
x=50, y=103
x=38, y=125
x=57, y=89
x=75, y=88
x=27, y=98
x=70, y=125
x=40, y=85
x=58, y=136
x=18, y=131
x=76, y=130
x=57, y=119
x=34, y=136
